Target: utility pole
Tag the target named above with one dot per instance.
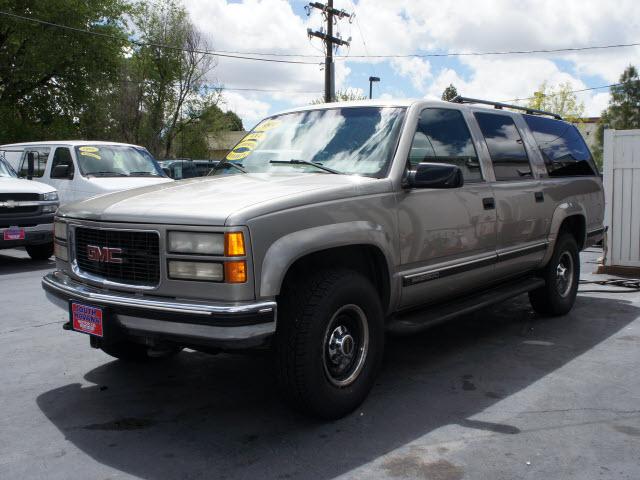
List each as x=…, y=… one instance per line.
x=329, y=40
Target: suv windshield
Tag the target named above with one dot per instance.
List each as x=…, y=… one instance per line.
x=116, y=161
x=5, y=168
x=349, y=140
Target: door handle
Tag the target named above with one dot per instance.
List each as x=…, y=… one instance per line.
x=539, y=196
x=489, y=203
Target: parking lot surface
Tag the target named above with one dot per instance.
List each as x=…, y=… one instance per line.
x=501, y=394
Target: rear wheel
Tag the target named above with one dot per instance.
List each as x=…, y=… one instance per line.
x=561, y=276
x=330, y=342
x=40, y=252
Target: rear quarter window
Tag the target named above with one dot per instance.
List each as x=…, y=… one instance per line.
x=563, y=149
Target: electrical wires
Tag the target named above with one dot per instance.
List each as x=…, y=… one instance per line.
x=264, y=56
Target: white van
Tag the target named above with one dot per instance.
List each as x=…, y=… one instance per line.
x=80, y=169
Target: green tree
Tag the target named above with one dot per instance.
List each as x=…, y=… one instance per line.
x=167, y=86
x=623, y=111
x=50, y=78
x=194, y=138
x=449, y=93
x=560, y=100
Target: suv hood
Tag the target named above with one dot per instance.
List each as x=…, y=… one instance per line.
x=21, y=185
x=116, y=184
x=212, y=200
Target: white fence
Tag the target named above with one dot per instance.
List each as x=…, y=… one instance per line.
x=622, y=194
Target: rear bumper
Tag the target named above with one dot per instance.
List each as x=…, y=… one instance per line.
x=238, y=325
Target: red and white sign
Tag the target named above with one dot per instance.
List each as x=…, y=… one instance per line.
x=87, y=319
x=14, y=233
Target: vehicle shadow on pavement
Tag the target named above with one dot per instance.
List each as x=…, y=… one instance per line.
x=220, y=416
x=14, y=264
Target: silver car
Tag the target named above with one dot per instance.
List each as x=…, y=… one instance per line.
x=327, y=226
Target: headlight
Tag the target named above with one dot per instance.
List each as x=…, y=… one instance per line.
x=60, y=230
x=50, y=197
x=208, y=271
x=60, y=251
x=195, y=242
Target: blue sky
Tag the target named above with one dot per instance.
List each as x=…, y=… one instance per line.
x=405, y=27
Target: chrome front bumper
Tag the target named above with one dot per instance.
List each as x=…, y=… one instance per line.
x=237, y=325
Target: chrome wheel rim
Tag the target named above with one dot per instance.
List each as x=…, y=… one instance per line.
x=564, y=274
x=345, y=345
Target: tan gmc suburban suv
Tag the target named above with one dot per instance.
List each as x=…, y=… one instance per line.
x=327, y=226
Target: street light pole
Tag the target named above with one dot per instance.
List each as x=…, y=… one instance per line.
x=371, y=80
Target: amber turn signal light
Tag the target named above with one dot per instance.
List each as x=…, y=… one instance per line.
x=235, y=272
x=234, y=244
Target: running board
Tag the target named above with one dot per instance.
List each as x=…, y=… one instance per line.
x=416, y=320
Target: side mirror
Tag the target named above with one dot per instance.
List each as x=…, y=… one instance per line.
x=30, y=165
x=62, y=171
x=435, y=175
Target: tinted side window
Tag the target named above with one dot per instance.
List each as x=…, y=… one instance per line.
x=40, y=156
x=442, y=136
x=62, y=158
x=564, y=150
x=505, y=145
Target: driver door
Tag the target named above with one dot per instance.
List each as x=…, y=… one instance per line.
x=447, y=236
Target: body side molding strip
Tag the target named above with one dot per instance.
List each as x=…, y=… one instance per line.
x=433, y=274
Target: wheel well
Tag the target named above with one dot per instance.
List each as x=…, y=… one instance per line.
x=366, y=259
x=576, y=226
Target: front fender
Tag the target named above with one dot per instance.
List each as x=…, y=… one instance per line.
x=286, y=250
x=562, y=211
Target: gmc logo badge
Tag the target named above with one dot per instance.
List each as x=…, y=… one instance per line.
x=104, y=254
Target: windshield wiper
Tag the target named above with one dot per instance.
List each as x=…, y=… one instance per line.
x=107, y=174
x=305, y=162
x=226, y=164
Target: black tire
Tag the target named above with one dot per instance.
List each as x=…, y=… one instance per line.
x=329, y=342
x=135, y=352
x=40, y=252
x=559, y=293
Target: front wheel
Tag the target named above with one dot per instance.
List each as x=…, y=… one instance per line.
x=330, y=342
x=561, y=275
x=40, y=252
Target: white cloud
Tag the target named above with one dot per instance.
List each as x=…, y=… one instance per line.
x=408, y=26
x=416, y=69
x=249, y=109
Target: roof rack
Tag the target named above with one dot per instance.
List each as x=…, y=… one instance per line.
x=500, y=106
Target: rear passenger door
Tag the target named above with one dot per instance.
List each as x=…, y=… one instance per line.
x=519, y=201
x=447, y=237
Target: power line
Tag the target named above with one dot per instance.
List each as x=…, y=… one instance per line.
x=222, y=88
x=151, y=44
x=256, y=56
x=560, y=93
x=509, y=52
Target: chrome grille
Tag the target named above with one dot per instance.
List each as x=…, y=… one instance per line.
x=18, y=197
x=140, y=255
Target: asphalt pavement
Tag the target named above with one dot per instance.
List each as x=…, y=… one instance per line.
x=501, y=394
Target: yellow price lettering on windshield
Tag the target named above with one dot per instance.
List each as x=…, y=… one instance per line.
x=246, y=146
x=89, y=149
x=267, y=125
x=90, y=154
